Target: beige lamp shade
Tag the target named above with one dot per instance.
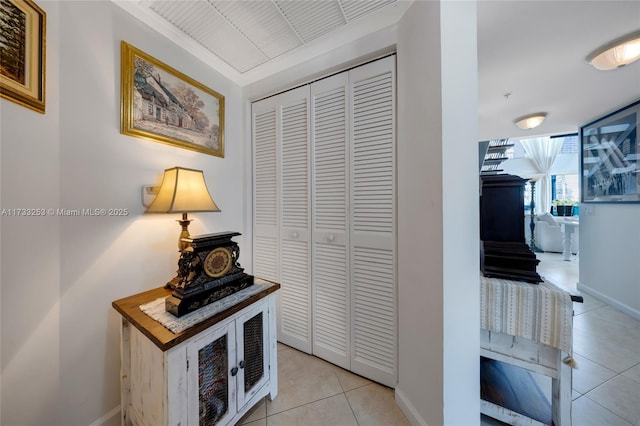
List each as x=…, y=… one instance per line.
x=617, y=53
x=183, y=191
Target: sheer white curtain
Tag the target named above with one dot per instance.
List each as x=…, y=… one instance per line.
x=542, y=152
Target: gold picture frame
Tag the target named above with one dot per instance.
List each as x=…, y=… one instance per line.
x=22, y=53
x=162, y=104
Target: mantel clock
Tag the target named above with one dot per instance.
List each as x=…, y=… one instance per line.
x=208, y=270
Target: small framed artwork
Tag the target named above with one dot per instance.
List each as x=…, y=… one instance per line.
x=162, y=104
x=22, y=53
x=610, y=158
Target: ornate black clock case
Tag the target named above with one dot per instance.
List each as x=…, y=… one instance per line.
x=208, y=270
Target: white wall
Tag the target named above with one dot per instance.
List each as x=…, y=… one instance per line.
x=461, y=299
x=420, y=216
x=438, y=245
x=609, y=253
x=60, y=338
x=30, y=262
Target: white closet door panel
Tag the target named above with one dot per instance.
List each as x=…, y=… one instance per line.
x=330, y=154
x=295, y=295
x=330, y=189
x=374, y=314
x=295, y=219
x=373, y=150
x=265, y=258
x=372, y=232
x=265, y=184
x=331, y=304
x=295, y=163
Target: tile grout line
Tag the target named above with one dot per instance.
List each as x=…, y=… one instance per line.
x=334, y=372
x=598, y=364
x=305, y=404
x=601, y=384
x=586, y=394
x=606, y=408
x=351, y=408
x=344, y=393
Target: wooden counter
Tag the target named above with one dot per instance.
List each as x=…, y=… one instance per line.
x=129, y=308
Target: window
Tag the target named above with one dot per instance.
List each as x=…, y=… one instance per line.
x=565, y=187
x=564, y=172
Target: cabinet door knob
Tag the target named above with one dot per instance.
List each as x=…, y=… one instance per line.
x=331, y=238
x=242, y=364
x=234, y=371
x=294, y=234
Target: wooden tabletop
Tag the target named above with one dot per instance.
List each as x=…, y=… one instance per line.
x=129, y=308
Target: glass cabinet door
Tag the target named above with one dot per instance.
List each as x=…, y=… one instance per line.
x=211, y=377
x=253, y=358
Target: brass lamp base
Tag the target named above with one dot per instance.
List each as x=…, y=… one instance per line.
x=184, y=223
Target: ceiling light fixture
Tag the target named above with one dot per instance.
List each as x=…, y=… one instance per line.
x=617, y=53
x=530, y=121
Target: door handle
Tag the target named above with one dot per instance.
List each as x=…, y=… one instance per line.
x=234, y=371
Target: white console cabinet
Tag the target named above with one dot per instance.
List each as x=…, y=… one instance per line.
x=209, y=374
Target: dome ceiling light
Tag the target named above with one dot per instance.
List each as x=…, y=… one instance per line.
x=530, y=121
x=617, y=53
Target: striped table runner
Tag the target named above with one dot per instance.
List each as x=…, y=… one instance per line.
x=542, y=313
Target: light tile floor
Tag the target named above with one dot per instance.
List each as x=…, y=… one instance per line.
x=314, y=392
x=606, y=384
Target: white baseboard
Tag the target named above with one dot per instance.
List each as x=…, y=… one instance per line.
x=634, y=313
x=408, y=409
x=104, y=419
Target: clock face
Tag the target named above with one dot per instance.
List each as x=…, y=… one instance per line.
x=218, y=262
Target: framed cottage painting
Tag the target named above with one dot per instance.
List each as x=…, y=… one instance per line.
x=610, y=160
x=162, y=104
x=22, y=53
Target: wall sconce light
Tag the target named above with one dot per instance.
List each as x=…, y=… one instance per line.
x=182, y=191
x=530, y=121
x=617, y=53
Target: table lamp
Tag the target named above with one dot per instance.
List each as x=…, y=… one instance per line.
x=183, y=191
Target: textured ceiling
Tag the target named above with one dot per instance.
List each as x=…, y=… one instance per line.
x=246, y=34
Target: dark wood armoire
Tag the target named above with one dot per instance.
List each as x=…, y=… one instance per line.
x=503, y=250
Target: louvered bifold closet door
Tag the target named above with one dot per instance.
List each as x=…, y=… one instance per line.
x=295, y=220
x=330, y=237
x=265, y=195
x=373, y=228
